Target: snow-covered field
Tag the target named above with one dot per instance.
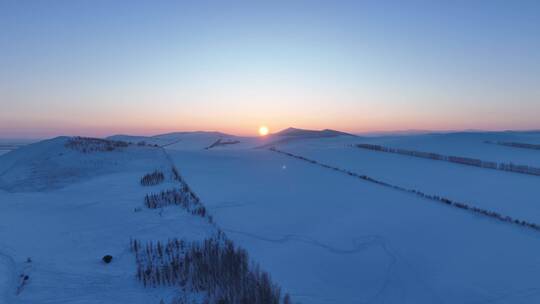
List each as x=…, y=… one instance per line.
x=7, y=145
x=509, y=193
x=471, y=145
x=324, y=236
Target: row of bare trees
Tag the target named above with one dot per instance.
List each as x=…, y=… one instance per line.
x=437, y=198
x=456, y=159
x=90, y=144
x=515, y=144
x=221, y=142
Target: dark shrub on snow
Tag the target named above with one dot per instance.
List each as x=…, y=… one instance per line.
x=107, y=259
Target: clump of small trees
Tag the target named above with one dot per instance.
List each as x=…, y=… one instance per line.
x=154, y=178
x=456, y=159
x=182, y=196
x=90, y=144
x=179, y=197
x=214, y=267
x=145, y=144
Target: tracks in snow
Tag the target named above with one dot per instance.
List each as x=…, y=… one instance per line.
x=358, y=243
x=397, y=265
x=7, y=278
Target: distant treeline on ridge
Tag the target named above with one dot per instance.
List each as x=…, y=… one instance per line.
x=511, y=167
x=515, y=144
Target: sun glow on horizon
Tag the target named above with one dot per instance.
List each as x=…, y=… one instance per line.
x=263, y=130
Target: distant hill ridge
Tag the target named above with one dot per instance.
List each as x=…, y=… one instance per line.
x=311, y=133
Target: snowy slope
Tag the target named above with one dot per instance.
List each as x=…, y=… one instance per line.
x=49, y=164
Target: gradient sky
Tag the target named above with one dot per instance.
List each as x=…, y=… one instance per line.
x=145, y=67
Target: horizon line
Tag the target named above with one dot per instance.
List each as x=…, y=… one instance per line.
x=403, y=132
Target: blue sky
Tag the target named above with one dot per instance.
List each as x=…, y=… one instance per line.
x=104, y=67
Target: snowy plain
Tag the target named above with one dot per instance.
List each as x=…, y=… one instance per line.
x=324, y=236
x=7, y=145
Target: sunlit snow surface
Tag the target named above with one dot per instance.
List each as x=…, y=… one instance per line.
x=324, y=236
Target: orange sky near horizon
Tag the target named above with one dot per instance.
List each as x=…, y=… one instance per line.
x=250, y=127
x=97, y=69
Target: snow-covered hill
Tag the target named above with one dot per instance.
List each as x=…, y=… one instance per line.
x=50, y=164
x=202, y=140
x=186, y=140
x=295, y=132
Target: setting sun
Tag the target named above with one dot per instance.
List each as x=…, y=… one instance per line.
x=263, y=130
